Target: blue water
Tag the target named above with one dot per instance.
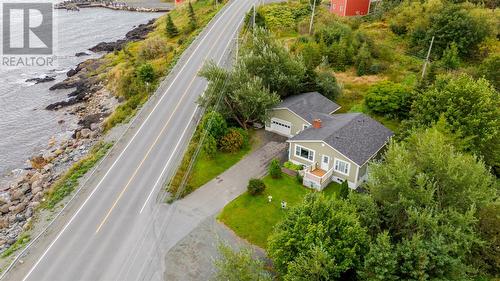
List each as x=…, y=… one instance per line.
x=25, y=126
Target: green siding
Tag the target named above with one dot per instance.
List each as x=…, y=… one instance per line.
x=320, y=148
x=287, y=115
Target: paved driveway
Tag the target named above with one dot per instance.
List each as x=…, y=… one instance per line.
x=189, y=256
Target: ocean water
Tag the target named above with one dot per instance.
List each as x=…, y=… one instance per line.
x=25, y=126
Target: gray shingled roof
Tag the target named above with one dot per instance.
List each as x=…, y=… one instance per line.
x=355, y=135
x=308, y=105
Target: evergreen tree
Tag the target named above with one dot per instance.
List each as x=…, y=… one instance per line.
x=192, y=17
x=172, y=30
x=450, y=59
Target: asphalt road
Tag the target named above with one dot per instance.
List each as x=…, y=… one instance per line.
x=119, y=230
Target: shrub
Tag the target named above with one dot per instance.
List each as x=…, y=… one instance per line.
x=292, y=166
x=146, y=73
x=398, y=29
x=255, y=186
x=152, y=48
x=450, y=59
x=215, y=124
x=344, y=190
x=363, y=60
x=490, y=70
x=275, y=169
x=299, y=178
x=245, y=135
x=232, y=141
x=210, y=146
x=389, y=98
x=326, y=83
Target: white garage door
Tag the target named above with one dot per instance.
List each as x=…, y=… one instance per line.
x=281, y=126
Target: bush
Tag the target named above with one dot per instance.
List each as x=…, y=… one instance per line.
x=326, y=83
x=275, y=169
x=146, y=73
x=490, y=70
x=152, y=48
x=389, y=98
x=215, y=124
x=210, y=146
x=232, y=141
x=299, y=178
x=292, y=166
x=450, y=59
x=255, y=186
x=398, y=29
x=344, y=190
x=363, y=60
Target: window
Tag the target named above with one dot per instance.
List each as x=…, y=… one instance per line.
x=342, y=167
x=280, y=124
x=303, y=152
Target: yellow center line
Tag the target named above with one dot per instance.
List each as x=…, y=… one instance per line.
x=145, y=157
x=157, y=138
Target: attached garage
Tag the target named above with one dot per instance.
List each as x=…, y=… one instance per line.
x=281, y=126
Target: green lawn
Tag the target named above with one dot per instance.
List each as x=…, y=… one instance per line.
x=253, y=217
x=206, y=168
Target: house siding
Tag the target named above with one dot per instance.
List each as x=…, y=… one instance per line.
x=350, y=7
x=362, y=171
x=320, y=148
x=287, y=115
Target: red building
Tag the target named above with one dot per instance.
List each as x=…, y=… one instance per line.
x=350, y=7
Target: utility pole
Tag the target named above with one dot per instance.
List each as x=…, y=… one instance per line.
x=312, y=17
x=427, y=58
x=254, y=14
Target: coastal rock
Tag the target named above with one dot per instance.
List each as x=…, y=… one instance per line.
x=71, y=72
x=14, y=210
x=92, y=120
x=85, y=133
x=81, y=54
x=41, y=80
x=136, y=34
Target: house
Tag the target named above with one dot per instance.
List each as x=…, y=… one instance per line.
x=350, y=7
x=331, y=147
x=298, y=112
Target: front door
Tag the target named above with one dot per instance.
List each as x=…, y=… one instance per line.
x=325, y=161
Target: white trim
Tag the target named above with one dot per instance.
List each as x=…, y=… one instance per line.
x=281, y=108
x=345, y=7
x=280, y=129
x=335, y=110
x=328, y=162
x=369, y=5
x=356, y=178
x=308, y=160
x=320, y=141
x=335, y=159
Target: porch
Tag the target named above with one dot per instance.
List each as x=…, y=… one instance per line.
x=315, y=177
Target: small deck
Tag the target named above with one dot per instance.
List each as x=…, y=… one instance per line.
x=318, y=172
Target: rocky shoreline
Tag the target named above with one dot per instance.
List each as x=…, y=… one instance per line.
x=91, y=103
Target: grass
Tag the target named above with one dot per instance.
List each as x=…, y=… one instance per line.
x=20, y=243
x=122, y=65
x=253, y=217
x=69, y=181
x=206, y=168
